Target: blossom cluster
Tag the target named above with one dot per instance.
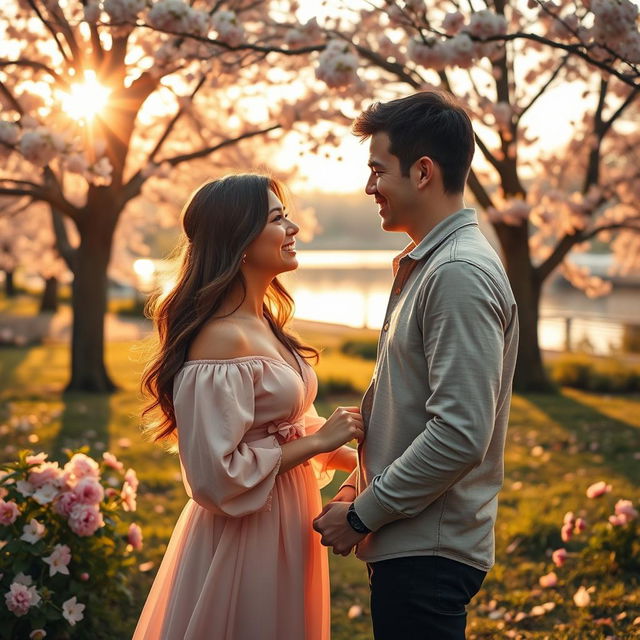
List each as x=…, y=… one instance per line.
x=178, y=17
x=337, y=64
x=49, y=516
x=572, y=525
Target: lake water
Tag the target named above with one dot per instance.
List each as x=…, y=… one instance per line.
x=352, y=288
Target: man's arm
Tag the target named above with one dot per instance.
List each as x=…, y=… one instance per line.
x=463, y=324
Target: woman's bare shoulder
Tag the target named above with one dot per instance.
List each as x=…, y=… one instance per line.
x=221, y=339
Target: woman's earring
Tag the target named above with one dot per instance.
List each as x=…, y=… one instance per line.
x=244, y=258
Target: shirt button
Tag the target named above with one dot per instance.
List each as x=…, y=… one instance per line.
x=397, y=291
x=386, y=326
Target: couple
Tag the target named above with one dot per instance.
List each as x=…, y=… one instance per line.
x=236, y=392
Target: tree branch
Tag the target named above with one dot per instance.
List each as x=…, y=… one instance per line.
x=51, y=30
x=174, y=120
x=134, y=185
x=570, y=240
x=40, y=66
x=544, y=87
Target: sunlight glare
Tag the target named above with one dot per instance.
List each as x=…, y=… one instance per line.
x=85, y=100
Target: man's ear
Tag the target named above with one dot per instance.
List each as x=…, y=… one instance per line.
x=424, y=171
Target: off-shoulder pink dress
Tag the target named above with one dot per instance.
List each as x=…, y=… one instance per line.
x=243, y=562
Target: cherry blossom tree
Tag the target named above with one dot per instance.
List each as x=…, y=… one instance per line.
x=102, y=97
x=501, y=59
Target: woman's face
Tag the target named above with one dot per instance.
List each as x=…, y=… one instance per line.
x=274, y=250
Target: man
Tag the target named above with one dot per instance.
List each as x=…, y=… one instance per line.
x=421, y=506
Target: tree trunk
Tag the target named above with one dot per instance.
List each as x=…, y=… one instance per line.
x=49, y=300
x=530, y=374
x=88, y=370
x=9, y=286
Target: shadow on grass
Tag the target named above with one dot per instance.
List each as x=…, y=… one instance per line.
x=613, y=439
x=84, y=421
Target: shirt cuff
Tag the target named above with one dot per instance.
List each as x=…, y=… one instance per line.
x=371, y=511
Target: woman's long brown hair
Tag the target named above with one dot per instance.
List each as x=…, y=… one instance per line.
x=220, y=221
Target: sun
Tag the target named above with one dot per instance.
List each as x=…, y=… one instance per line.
x=85, y=100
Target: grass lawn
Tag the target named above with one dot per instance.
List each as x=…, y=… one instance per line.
x=557, y=446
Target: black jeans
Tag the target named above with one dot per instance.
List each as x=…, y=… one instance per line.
x=421, y=597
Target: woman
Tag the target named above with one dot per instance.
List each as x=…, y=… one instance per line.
x=235, y=391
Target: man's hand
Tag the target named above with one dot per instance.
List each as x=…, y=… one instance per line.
x=336, y=532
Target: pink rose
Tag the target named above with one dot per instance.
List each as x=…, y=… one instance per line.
x=598, y=489
x=20, y=598
x=548, y=580
x=131, y=477
x=89, y=491
x=38, y=458
x=559, y=556
x=134, y=536
x=617, y=521
x=128, y=496
x=85, y=519
x=65, y=503
x=624, y=509
x=579, y=525
x=111, y=461
x=81, y=466
x=8, y=512
x=84, y=576
x=46, y=473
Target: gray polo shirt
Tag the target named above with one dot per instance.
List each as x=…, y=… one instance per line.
x=436, y=410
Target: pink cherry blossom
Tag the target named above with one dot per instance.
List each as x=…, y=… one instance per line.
x=598, y=489
x=9, y=511
x=38, y=147
x=486, y=23
x=134, y=536
x=72, y=611
x=337, y=64
x=228, y=27
x=452, y=22
x=123, y=10
x=9, y=132
x=59, y=560
x=548, y=580
x=85, y=519
x=20, y=598
x=559, y=557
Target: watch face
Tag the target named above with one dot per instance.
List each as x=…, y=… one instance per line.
x=355, y=522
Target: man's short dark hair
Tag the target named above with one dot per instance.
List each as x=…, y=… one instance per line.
x=428, y=123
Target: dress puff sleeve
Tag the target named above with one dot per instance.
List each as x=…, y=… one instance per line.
x=214, y=404
x=319, y=463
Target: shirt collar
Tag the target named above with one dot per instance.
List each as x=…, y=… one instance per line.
x=437, y=235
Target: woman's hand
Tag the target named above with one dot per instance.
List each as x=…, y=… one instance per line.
x=344, y=424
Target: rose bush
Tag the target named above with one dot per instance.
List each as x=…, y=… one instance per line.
x=64, y=546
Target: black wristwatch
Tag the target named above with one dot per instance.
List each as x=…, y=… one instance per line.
x=355, y=522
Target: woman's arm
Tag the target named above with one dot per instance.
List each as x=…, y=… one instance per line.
x=344, y=459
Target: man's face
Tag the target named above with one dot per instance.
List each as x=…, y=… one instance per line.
x=393, y=192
